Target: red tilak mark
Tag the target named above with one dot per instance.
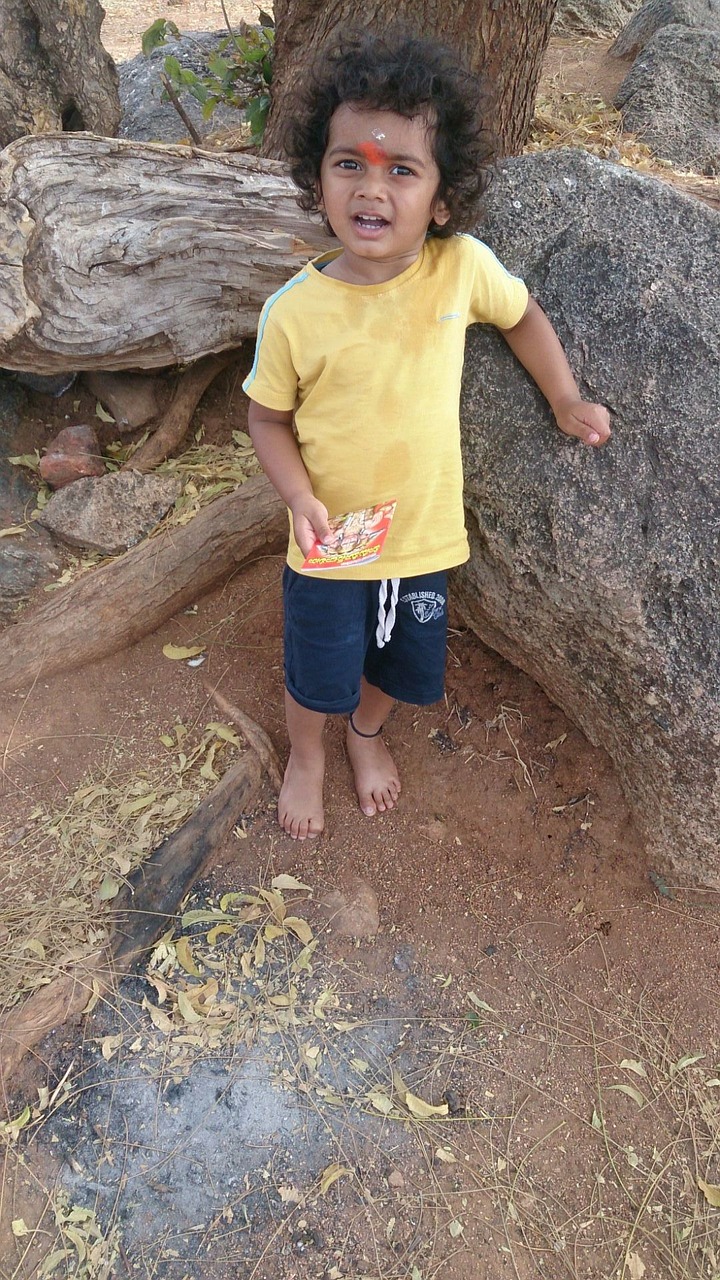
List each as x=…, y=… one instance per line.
x=373, y=153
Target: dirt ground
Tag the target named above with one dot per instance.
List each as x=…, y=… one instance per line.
x=499, y=945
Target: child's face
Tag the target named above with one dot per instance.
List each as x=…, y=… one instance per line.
x=378, y=188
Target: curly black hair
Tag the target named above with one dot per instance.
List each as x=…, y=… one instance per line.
x=412, y=77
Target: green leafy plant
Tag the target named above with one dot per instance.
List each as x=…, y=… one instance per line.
x=239, y=72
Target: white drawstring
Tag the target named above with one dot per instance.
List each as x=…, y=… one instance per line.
x=386, y=621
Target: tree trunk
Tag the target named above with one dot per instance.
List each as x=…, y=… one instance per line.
x=503, y=40
x=54, y=72
x=123, y=255
x=119, y=603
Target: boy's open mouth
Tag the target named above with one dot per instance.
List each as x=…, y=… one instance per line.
x=370, y=222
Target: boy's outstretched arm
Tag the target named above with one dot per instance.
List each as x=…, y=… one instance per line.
x=538, y=348
x=271, y=432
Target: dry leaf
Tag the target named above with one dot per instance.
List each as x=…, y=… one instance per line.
x=381, y=1101
x=631, y=1092
x=158, y=1016
x=183, y=951
x=19, y=1228
x=102, y=414
x=636, y=1266
x=110, y=1046
x=331, y=1175
x=687, y=1060
x=445, y=1155
x=423, y=1110
x=288, y=882
x=631, y=1064
x=479, y=1004
x=710, y=1192
x=456, y=1229
x=220, y=931
x=299, y=927
x=289, y=1195
x=187, y=1011
x=178, y=651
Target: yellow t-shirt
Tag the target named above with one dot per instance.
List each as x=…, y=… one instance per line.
x=373, y=375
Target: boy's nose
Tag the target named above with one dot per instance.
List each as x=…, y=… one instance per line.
x=371, y=184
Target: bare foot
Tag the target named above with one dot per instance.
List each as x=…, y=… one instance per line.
x=376, y=778
x=300, y=803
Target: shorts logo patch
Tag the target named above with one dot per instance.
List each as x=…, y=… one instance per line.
x=426, y=605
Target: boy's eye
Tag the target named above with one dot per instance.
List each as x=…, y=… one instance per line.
x=348, y=164
x=402, y=171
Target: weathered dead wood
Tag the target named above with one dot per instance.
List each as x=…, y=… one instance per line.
x=171, y=432
x=126, y=255
x=54, y=71
x=254, y=735
x=142, y=911
x=116, y=605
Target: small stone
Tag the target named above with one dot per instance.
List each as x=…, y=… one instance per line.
x=354, y=912
x=395, y=1179
x=131, y=398
x=72, y=454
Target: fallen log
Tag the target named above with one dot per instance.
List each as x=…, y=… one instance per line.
x=119, y=603
x=142, y=911
x=124, y=255
x=171, y=431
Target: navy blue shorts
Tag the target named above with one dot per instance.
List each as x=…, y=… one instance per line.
x=334, y=630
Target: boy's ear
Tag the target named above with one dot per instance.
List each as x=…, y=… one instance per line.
x=440, y=213
x=319, y=197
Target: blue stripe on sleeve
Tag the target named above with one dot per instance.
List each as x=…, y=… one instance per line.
x=263, y=321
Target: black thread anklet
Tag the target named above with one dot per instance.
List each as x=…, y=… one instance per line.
x=360, y=733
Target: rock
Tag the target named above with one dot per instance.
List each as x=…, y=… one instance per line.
x=48, y=384
x=353, y=911
x=145, y=117
x=597, y=571
x=131, y=398
x=28, y=558
x=655, y=14
x=74, y=452
x=112, y=513
x=671, y=97
x=592, y=17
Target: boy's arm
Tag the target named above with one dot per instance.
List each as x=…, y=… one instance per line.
x=538, y=348
x=271, y=432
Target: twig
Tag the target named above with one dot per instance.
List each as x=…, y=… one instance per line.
x=197, y=139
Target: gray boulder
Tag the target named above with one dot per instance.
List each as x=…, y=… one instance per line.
x=592, y=17
x=145, y=117
x=597, y=571
x=109, y=513
x=655, y=14
x=671, y=97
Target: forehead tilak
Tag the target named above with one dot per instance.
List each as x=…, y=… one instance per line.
x=373, y=152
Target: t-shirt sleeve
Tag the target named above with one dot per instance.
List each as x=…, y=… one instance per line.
x=273, y=380
x=498, y=297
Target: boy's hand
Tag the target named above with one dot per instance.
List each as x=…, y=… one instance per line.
x=310, y=521
x=587, y=422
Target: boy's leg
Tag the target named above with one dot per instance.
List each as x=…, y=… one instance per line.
x=300, y=803
x=376, y=778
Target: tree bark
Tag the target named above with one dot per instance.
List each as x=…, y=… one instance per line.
x=503, y=40
x=54, y=72
x=118, y=604
x=122, y=255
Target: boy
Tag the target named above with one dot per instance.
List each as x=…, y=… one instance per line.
x=355, y=393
